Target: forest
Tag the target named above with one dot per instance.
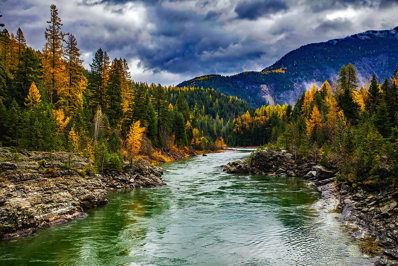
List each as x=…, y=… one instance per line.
x=340, y=125
x=49, y=102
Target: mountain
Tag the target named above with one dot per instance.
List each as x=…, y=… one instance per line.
x=371, y=52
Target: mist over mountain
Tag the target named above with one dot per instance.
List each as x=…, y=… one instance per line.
x=371, y=52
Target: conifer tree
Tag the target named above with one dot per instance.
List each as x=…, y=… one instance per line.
x=179, y=129
x=391, y=99
x=76, y=80
x=33, y=98
x=151, y=119
x=160, y=104
x=352, y=80
x=53, y=51
x=114, y=108
x=21, y=42
x=348, y=82
x=13, y=125
x=134, y=138
x=27, y=72
x=382, y=120
x=374, y=96
x=95, y=80
x=314, y=124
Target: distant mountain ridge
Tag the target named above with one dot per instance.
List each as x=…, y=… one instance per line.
x=371, y=52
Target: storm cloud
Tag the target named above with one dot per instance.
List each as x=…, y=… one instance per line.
x=168, y=41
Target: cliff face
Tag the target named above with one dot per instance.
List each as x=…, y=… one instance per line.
x=41, y=189
x=371, y=52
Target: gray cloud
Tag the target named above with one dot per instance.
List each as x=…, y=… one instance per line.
x=254, y=9
x=168, y=41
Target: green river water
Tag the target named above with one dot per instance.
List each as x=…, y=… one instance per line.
x=202, y=217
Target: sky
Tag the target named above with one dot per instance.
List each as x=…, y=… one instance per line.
x=169, y=41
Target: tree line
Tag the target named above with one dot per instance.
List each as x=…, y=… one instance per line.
x=49, y=102
x=340, y=125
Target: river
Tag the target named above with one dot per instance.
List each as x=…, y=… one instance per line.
x=202, y=217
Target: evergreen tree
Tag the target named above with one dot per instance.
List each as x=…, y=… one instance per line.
x=151, y=119
x=382, y=120
x=96, y=84
x=53, y=49
x=352, y=80
x=179, y=129
x=391, y=99
x=160, y=104
x=114, y=108
x=26, y=73
x=21, y=42
x=13, y=126
x=374, y=96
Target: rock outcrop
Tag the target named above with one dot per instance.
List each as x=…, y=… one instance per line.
x=41, y=189
x=280, y=164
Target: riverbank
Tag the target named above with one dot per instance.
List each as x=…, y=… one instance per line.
x=371, y=217
x=39, y=189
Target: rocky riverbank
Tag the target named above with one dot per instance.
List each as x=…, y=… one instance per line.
x=373, y=217
x=38, y=189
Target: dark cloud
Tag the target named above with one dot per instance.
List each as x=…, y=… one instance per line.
x=325, y=5
x=212, y=15
x=186, y=38
x=253, y=10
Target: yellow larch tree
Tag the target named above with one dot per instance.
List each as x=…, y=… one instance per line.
x=333, y=117
x=134, y=139
x=326, y=90
x=314, y=124
x=73, y=138
x=33, y=98
x=195, y=138
x=308, y=99
x=61, y=120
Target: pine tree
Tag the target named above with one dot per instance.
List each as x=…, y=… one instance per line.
x=114, y=108
x=352, y=80
x=26, y=73
x=374, y=96
x=348, y=82
x=391, y=99
x=76, y=80
x=21, y=43
x=53, y=50
x=96, y=83
x=382, y=120
x=33, y=98
x=160, y=104
x=151, y=119
x=342, y=78
x=179, y=129
x=13, y=125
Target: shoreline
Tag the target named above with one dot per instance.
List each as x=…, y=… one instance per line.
x=373, y=219
x=36, y=192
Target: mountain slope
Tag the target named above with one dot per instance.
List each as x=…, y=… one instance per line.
x=371, y=52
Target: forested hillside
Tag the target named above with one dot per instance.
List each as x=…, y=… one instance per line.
x=343, y=126
x=49, y=102
x=371, y=52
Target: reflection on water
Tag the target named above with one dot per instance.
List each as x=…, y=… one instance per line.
x=203, y=217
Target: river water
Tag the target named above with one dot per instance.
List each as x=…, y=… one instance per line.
x=203, y=217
